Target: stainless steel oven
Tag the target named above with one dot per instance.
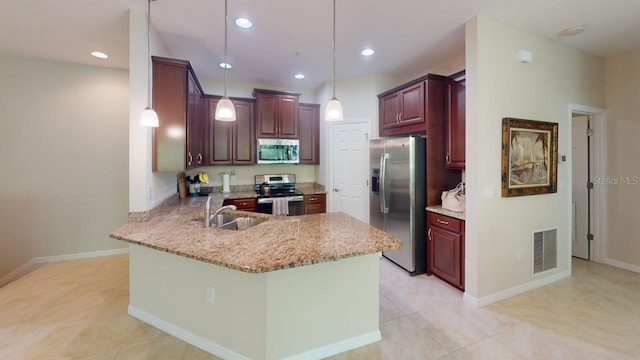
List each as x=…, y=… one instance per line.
x=270, y=187
x=296, y=205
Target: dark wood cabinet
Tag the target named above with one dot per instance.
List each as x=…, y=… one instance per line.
x=315, y=204
x=248, y=204
x=455, y=129
x=232, y=142
x=445, y=248
x=276, y=114
x=309, y=134
x=179, y=140
x=408, y=108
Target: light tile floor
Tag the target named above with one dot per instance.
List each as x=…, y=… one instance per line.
x=78, y=310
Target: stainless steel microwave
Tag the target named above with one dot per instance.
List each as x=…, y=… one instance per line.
x=278, y=151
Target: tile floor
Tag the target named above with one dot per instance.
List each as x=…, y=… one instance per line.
x=78, y=310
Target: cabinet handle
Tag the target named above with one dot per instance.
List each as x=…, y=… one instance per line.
x=199, y=158
x=312, y=199
x=442, y=222
x=447, y=158
x=190, y=158
x=429, y=234
x=400, y=116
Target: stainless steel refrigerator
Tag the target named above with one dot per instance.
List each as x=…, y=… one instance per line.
x=397, y=197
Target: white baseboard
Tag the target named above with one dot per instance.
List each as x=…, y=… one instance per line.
x=185, y=335
x=338, y=347
x=37, y=261
x=622, y=265
x=226, y=353
x=501, y=295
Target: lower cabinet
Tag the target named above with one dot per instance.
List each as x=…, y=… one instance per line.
x=315, y=204
x=248, y=204
x=445, y=248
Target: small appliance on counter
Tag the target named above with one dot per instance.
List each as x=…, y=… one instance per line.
x=225, y=182
x=277, y=195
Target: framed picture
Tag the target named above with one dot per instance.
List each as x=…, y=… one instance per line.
x=529, y=157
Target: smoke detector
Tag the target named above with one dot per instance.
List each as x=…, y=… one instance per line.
x=572, y=30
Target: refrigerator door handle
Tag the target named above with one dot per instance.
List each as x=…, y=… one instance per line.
x=383, y=183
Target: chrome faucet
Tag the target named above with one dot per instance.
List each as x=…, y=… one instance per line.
x=207, y=211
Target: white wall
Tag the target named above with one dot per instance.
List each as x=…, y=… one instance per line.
x=63, y=144
x=622, y=86
x=498, y=229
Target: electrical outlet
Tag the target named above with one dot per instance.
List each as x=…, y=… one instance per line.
x=149, y=192
x=211, y=294
x=519, y=253
x=488, y=192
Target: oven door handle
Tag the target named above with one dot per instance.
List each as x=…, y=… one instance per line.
x=269, y=200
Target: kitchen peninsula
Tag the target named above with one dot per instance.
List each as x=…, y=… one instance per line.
x=301, y=287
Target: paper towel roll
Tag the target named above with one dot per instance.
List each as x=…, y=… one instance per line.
x=225, y=183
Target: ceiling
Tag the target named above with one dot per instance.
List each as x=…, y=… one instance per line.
x=408, y=36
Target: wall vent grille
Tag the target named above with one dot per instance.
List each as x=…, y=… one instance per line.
x=545, y=250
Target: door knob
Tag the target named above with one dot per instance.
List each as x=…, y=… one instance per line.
x=336, y=190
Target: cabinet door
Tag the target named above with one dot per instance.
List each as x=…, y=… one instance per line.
x=315, y=204
x=220, y=137
x=267, y=106
x=412, y=104
x=444, y=254
x=244, y=135
x=455, y=130
x=288, y=116
x=389, y=111
x=195, y=138
x=309, y=133
x=170, y=103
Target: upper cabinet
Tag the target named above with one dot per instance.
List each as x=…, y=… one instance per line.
x=276, y=114
x=309, y=134
x=179, y=141
x=406, y=109
x=232, y=142
x=455, y=127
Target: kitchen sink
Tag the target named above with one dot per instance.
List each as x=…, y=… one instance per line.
x=233, y=222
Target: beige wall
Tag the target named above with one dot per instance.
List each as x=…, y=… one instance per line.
x=499, y=230
x=63, y=144
x=622, y=88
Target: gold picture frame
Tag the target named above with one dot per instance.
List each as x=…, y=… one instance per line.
x=529, y=157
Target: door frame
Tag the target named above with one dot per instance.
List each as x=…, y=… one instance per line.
x=598, y=141
x=330, y=192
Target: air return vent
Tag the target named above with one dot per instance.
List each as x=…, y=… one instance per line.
x=545, y=250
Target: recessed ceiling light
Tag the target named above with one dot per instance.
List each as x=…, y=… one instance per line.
x=367, y=52
x=572, y=30
x=299, y=76
x=244, y=23
x=99, y=54
x=225, y=65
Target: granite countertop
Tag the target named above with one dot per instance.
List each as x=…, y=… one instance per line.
x=438, y=209
x=277, y=243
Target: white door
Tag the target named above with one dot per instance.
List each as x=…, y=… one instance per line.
x=580, y=193
x=350, y=169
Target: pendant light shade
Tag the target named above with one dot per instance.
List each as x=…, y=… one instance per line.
x=149, y=118
x=333, y=111
x=225, y=111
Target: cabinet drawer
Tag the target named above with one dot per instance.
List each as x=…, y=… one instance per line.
x=314, y=199
x=444, y=222
x=243, y=204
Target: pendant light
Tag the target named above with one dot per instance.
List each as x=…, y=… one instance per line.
x=149, y=118
x=225, y=111
x=333, y=111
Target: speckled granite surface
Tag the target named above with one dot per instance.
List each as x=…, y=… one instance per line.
x=438, y=209
x=278, y=243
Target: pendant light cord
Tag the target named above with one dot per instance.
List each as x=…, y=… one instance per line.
x=334, y=49
x=226, y=63
x=149, y=54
